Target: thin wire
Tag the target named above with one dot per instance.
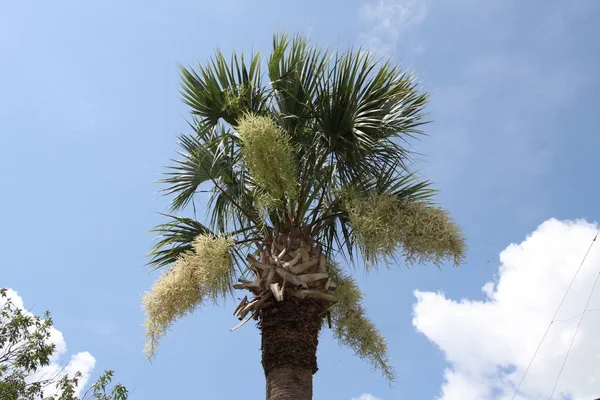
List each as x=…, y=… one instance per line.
x=578, y=315
x=574, y=335
x=554, y=316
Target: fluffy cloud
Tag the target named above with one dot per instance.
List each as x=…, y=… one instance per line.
x=389, y=19
x=488, y=344
x=83, y=362
x=366, y=396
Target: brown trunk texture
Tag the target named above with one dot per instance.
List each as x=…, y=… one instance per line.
x=290, y=335
x=289, y=384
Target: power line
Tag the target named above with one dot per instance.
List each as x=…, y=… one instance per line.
x=575, y=334
x=555, y=314
x=575, y=316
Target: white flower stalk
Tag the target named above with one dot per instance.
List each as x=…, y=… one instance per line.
x=206, y=272
x=382, y=224
x=270, y=158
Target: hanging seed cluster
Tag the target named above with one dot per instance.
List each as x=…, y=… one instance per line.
x=383, y=224
x=352, y=327
x=205, y=273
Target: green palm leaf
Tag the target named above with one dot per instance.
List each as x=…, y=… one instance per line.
x=224, y=90
x=295, y=70
x=175, y=238
x=198, y=165
x=363, y=107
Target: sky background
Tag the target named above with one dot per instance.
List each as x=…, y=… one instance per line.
x=89, y=113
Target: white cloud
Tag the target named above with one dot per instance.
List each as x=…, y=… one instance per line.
x=389, y=19
x=83, y=362
x=488, y=344
x=366, y=396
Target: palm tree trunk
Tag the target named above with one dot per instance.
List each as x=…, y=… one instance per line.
x=290, y=335
x=289, y=384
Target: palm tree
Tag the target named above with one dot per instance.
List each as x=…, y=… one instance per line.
x=303, y=173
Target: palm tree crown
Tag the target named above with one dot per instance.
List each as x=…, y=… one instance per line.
x=304, y=160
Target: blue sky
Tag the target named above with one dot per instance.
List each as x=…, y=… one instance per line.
x=90, y=110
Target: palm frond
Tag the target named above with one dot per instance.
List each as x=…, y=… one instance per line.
x=199, y=164
x=362, y=107
x=295, y=71
x=393, y=178
x=333, y=224
x=233, y=205
x=224, y=90
x=175, y=238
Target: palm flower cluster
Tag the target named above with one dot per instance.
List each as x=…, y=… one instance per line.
x=384, y=223
x=268, y=154
x=199, y=274
x=354, y=329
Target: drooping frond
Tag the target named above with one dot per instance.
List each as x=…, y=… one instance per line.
x=201, y=162
x=175, y=239
x=268, y=153
x=211, y=156
x=353, y=329
x=233, y=205
x=203, y=273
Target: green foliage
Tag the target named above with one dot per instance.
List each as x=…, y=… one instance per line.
x=345, y=115
x=25, y=349
x=223, y=90
x=98, y=391
x=199, y=165
x=362, y=108
x=295, y=69
x=176, y=238
x=352, y=327
x=206, y=272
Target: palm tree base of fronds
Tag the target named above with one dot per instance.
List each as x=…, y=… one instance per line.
x=286, y=269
